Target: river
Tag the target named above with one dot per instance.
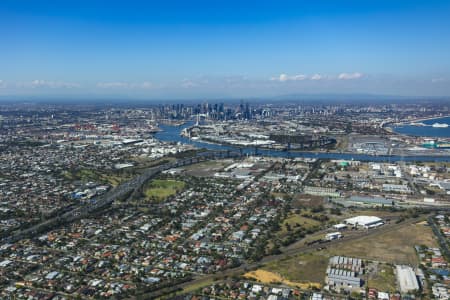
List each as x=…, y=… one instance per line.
x=426, y=131
x=172, y=134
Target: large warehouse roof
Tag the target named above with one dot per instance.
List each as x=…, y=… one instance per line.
x=363, y=220
x=407, y=279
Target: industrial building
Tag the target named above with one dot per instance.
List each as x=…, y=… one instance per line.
x=407, y=279
x=397, y=188
x=344, y=278
x=365, y=221
x=316, y=296
x=321, y=191
x=340, y=226
x=333, y=236
x=370, y=200
x=344, y=272
x=347, y=263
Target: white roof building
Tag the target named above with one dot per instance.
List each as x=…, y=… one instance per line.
x=256, y=288
x=51, y=275
x=316, y=296
x=365, y=221
x=407, y=279
x=5, y=263
x=333, y=236
x=339, y=226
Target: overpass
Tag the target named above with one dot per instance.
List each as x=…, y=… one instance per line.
x=122, y=191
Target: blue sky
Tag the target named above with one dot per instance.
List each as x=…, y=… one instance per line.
x=176, y=49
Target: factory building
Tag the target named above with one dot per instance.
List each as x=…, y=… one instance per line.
x=407, y=279
x=344, y=272
x=321, y=191
x=333, y=236
x=397, y=188
x=365, y=221
x=343, y=278
x=347, y=263
x=370, y=200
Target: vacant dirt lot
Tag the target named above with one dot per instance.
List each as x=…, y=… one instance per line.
x=395, y=246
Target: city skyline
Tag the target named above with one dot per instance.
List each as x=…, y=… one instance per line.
x=224, y=50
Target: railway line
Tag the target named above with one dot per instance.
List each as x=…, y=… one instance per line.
x=285, y=252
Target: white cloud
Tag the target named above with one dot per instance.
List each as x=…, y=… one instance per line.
x=348, y=76
x=235, y=79
x=2, y=84
x=299, y=77
x=187, y=83
x=284, y=77
x=216, y=82
x=39, y=83
x=112, y=85
x=317, y=77
x=437, y=80
x=342, y=76
x=147, y=85
x=125, y=85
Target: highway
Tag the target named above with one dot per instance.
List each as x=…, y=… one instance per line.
x=118, y=193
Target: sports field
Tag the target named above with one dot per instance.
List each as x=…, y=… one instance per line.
x=161, y=189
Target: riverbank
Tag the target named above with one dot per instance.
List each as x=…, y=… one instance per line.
x=173, y=134
x=420, y=120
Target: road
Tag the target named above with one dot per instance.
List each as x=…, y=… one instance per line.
x=288, y=251
x=442, y=239
x=408, y=177
x=120, y=192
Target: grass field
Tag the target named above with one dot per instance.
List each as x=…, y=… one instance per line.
x=306, y=201
x=207, y=168
x=295, y=219
x=86, y=175
x=160, y=189
x=150, y=162
x=305, y=268
x=395, y=246
x=371, y=212
x=278, y=195
x=194, y=287
x=268, y=277
x=384, y=280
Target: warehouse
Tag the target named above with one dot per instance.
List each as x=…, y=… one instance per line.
x=340, y=226
x=365, y=221
x=339, y=277
x=407, y=279
x=370, y=200
x=333, y=236
x=321, y=191
x=398, y=188
x=347, y=263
